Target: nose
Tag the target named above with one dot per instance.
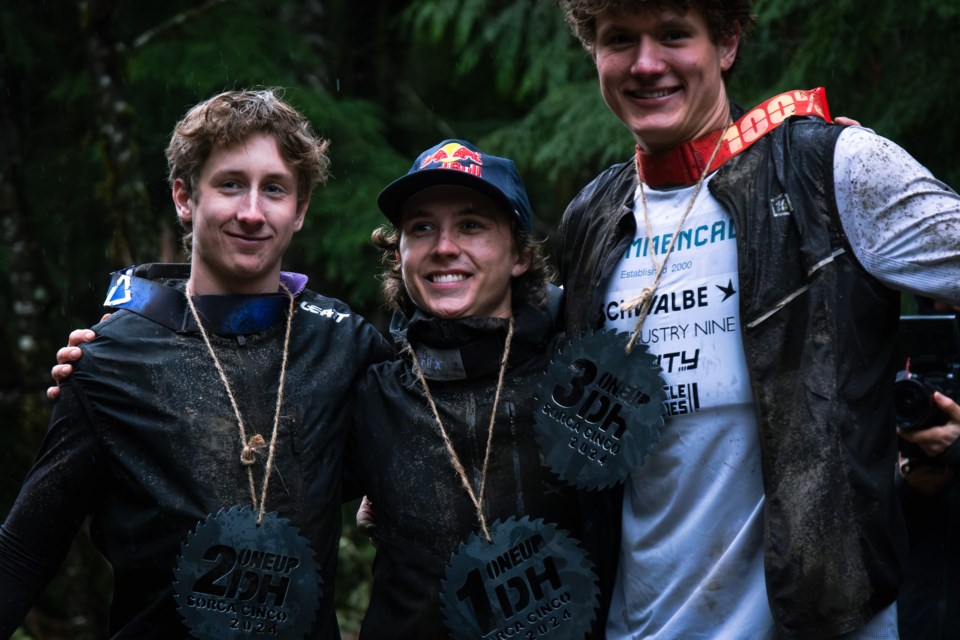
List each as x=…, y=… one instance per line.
x=647, y=59
x=250, y=210
x=446, y=244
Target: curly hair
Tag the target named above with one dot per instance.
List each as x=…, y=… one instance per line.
x=531, y=287
x=229, y=118
x=721, y=16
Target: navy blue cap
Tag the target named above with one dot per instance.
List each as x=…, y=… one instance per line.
x=460, y=163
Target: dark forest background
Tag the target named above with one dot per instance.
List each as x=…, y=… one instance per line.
x=90, y=89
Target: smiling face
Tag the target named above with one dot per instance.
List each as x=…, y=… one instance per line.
x=660, y=74
x=458, y=254
x=243, y=215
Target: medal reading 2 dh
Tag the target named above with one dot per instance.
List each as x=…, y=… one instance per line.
x=235, y=579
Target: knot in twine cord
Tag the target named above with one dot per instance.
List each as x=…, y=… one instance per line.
x=639, y=300
x=254, y=445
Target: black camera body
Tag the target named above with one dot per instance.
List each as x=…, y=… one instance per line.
x=912, y=396
x=929, y=347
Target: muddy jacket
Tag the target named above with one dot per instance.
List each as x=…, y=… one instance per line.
x=818, y=334
x=144, y=441
x=422, y=511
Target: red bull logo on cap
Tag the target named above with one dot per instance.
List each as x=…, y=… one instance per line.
x=455, y=156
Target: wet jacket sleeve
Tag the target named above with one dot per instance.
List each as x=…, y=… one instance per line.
x=353, y=474
x=56, y=496
x=354, y=477
x=903, y=224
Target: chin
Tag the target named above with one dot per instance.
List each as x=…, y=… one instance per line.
x=446, y=312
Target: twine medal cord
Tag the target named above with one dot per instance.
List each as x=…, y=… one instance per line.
x=645, y=299
x=475, y=497
x=255, y=442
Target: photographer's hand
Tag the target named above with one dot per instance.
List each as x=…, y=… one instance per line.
x=935, y=440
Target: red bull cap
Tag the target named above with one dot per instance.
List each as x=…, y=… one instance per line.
x=460, y=163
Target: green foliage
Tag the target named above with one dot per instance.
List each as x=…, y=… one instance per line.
x=889, y=65
x=526, y=43
x=383, y=83
x=354, y=562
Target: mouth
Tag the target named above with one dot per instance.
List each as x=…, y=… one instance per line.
x=245, y=238
x=652, y=94
x=441, y=278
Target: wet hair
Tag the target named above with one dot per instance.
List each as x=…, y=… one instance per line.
x=231, y=117
x=530, y=287
x=721, y=16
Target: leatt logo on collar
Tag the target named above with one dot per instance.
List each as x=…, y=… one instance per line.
x=455, y=156
x=324, y=313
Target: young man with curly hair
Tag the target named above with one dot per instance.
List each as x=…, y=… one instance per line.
x=207, y=480
x=475, y=321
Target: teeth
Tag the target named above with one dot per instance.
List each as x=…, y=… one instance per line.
x=450, y=277
x=654, y=94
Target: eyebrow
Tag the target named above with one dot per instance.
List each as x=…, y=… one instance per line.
x=275, y=176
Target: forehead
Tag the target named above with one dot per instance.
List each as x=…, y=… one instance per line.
x=258, y=150
x=451, y=200
x=648, y=12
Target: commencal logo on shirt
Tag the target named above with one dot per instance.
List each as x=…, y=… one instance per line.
x=699, y=236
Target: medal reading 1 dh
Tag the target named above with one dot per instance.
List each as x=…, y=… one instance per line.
x=530, y=580
x=600, y=410
x=235, y=579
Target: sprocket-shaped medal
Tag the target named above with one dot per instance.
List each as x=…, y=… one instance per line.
x=235, y=579
x=599, y=410
x=531, y=580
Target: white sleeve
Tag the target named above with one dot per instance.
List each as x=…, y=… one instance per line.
x=903, y=224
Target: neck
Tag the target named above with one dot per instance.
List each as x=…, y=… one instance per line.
x=200, y=285
x=680, y=166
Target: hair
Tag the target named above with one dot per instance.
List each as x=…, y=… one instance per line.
x=231, y=117
x=530, y=287
x=721, y=16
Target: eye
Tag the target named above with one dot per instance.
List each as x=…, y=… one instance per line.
x=230, y=185
x=417, y=227
x=675, y=35
x=615, y=39
x=276, y=190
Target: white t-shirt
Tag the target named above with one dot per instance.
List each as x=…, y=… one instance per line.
x=691, y=563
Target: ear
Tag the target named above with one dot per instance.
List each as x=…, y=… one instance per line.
x=301, y=214
x=522, y=264
x=181, y=199
x=728, y=47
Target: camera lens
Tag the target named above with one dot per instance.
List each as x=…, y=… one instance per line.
x=913, y=404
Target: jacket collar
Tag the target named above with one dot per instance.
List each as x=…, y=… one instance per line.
x=468, y=348
x=157, y=292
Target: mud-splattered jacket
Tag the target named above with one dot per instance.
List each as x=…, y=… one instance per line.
x=422, y=511
x=145, y=443
x=818, y=335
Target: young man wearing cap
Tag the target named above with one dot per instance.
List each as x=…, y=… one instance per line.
x=211, y=487
x=768, y=508
x=475, y=320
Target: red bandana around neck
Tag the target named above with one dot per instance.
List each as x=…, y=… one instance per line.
x=683, y=164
